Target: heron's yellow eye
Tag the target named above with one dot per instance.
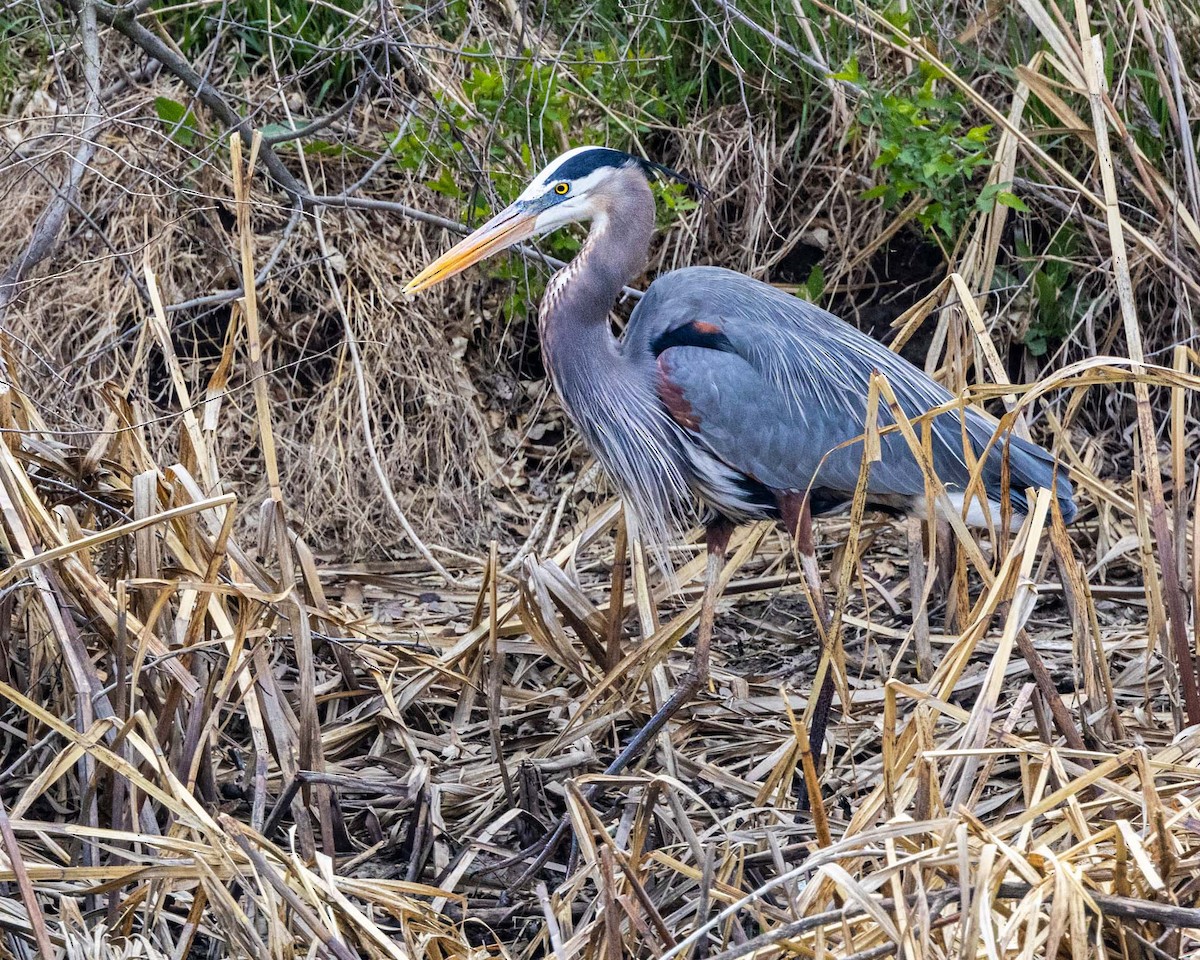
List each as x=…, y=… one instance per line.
x=562, y=188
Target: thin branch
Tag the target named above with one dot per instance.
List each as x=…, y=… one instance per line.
x=1120, y=908
x=368, y=203
x=121, y=20
x=146, y=72
x=260, y=277
x=363, y=401
x=850, y=912
x=819, y=67
x=313, y=126
x=45, y=232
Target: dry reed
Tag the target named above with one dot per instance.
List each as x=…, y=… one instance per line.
x=221, y=740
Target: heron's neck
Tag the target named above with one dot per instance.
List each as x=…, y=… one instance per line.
x=609, y=392
x=573, y=320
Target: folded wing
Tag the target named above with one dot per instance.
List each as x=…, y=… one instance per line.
x=773, y=387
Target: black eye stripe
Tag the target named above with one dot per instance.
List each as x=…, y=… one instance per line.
x=592, y=159
x=580, y=165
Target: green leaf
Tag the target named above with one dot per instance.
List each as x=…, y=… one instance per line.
x=897, y=18
x=815, y=284
x=944, y=222
x=888, y=152
x=445, y=184
x=929, y=71
x=1045, y=289
x=168, y=110
x=995, y=193
x=1011, y=200
x=849, y=72
x=272, y=130
x=179, y=120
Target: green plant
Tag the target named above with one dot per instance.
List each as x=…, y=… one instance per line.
x=22, y=42
x=926, y=150
x=814, y=287
x=1055, y=291
x=310, y=40
x=509, y=107
x=179, y=121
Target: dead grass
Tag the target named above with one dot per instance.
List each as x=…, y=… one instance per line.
x=233, y=725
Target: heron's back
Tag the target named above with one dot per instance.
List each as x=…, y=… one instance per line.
x=771, y=387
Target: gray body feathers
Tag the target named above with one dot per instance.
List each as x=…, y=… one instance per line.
x=785, y=384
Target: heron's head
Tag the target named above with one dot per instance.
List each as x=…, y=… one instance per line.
x=574, y=188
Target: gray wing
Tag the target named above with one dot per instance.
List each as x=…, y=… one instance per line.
x=772, y=386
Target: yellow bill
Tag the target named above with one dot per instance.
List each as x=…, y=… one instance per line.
x=509, y=226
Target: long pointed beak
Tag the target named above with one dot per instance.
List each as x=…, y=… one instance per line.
x=511, y=225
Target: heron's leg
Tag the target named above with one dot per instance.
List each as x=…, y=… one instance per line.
x=717, y=536
x=806, y=546
x=797, y=516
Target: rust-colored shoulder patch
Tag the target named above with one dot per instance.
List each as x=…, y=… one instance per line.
x=671, y=394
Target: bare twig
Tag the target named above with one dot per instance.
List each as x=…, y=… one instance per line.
x=1119, y=908
x=365, y=406
x=50, y=223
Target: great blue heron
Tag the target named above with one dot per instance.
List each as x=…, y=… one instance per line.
x=726, y=392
